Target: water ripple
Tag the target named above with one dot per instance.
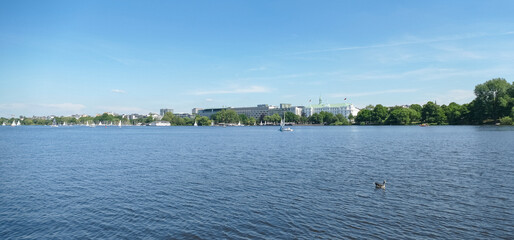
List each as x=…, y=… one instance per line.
x=256, y=183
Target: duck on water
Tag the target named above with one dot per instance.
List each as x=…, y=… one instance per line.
x=380, y=185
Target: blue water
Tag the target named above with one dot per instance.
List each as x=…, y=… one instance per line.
x=256, y=182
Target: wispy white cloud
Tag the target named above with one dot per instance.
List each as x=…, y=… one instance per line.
x=409, y=41
x=454, y=52
x=261, y=68
x=209, y=99
x=250, y=89
x=427, y=74
x=371, y=93
x=118, y=91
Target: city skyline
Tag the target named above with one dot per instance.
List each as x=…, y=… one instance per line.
x=63, y=58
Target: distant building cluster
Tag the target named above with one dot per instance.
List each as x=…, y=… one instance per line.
x=262, y=110
x=258, y=112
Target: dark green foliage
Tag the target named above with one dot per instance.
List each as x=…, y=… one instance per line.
x=203, y=121
x=380, y=114
x=494, y=99
x=364, y=116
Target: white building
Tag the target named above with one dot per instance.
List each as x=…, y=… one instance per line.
x=160, y=123
x=339, y=108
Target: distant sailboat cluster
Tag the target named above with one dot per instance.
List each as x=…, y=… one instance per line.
x=13, y=124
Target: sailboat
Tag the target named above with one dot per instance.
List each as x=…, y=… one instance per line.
x=13, y=124
x=19, y=123
x=3, y=124
x=54, y=123
x=212, y=123
x=283, y=127
x=261, y=123
x=119, y=124
x=64, y=124
x=196, y=124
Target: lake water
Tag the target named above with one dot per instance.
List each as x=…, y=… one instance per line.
x=256, y=182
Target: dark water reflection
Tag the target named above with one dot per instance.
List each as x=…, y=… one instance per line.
x=256, y=182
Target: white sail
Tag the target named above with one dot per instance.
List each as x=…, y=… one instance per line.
x=283, y=127
x=18, y=124
x=54, y=123
x=119, y=124
x=196, y=124
x=13, y=124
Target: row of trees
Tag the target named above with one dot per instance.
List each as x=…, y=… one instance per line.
x=104, y=118
x=494, y=103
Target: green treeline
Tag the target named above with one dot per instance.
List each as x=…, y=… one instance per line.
x=494, y=103
x=104, y=118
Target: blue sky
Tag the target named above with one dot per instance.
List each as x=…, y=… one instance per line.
x=67, y=57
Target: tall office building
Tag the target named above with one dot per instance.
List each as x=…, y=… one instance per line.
x=165, y=110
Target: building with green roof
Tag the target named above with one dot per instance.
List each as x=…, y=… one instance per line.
x=336, y=108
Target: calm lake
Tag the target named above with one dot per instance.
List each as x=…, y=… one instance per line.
x=256, y=182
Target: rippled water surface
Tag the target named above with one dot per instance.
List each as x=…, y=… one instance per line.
x=256, y=182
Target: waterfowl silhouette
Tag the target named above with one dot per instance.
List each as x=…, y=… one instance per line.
x=380, y=185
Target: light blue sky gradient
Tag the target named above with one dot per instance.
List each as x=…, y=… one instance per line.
x=67, y=57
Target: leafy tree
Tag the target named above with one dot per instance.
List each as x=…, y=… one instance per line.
x=243, y=118
x=203, y=121
x=364, y=116
x=455, y=113
x=416, y=107
x=168, y=117
x=400, y=115
x=84, y=120
x=506, y=121
x=226, y=116
x=379, y=114
x=351, y=118
x=341, y=120
x=27, y=121
x=104, y=118
x=369, y=107
x=432, y=113
x=316, y=118
x=275, y=118
x=328, y=117
x=291, y=117
x=250, y=121
x=493, y=99
x=303, y=119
